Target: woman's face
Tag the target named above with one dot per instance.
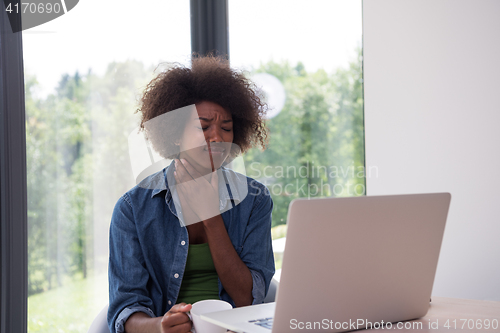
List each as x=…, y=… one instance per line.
x=207, y=138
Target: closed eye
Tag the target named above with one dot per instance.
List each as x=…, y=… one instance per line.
x=205, y=128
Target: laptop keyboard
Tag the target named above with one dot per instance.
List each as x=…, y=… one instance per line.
x=264, y=322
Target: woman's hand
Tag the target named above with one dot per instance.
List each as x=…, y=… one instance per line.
x=202, y=196
x=196, y=192
x=176, y=320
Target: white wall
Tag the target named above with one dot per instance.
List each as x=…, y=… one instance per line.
x=432, y=122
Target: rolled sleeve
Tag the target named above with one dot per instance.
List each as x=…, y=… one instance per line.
x=126, y=313
x=258, y=288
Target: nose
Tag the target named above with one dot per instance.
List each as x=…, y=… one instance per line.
x=214, y=134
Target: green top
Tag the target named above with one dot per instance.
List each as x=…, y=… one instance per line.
x=200, y=279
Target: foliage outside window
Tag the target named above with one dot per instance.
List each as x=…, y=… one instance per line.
x=78, y=167
x=316, y=145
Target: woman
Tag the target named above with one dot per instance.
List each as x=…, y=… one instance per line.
x=190, y=232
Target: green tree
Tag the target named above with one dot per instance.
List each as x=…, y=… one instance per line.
x=78, y=166
x=316, y=141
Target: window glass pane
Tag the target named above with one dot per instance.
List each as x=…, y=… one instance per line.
x=306, y=56
x=84, y=73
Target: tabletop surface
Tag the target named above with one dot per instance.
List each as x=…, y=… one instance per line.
x=451, y=315
x=454, y=315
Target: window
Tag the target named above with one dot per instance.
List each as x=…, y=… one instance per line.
x=307, y=58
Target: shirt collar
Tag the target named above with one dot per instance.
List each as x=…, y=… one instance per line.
x=229, y=184
x=159, y=182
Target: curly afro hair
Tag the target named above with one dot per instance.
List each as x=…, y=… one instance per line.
x=209, y=79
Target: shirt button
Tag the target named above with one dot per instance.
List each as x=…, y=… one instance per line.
x=176, y=275
x=183, y=243
x=169, y=302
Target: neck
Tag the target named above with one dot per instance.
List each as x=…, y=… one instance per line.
x=205, y=172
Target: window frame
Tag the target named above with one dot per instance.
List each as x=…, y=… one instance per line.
x=209, y=27
x=13, y=188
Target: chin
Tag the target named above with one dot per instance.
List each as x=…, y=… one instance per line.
x=205, y=164
x=218, y=162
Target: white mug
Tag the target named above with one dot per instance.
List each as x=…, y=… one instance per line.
x=207, y=306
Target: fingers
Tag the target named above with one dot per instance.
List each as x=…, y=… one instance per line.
x=185, y=170
x=188, y=212
x=181, y=173
x=215, y=180
x=181, y=307
x=176, y=319
x=181, y=328
x=199, y=196
x=189, y=168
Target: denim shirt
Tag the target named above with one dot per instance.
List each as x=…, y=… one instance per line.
x=148, y=245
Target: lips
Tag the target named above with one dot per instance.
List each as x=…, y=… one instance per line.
x=213, y=149
x=216, y=152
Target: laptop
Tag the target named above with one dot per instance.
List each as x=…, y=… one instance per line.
x=351, y=263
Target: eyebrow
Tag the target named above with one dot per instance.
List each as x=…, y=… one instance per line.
x=224, y=121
